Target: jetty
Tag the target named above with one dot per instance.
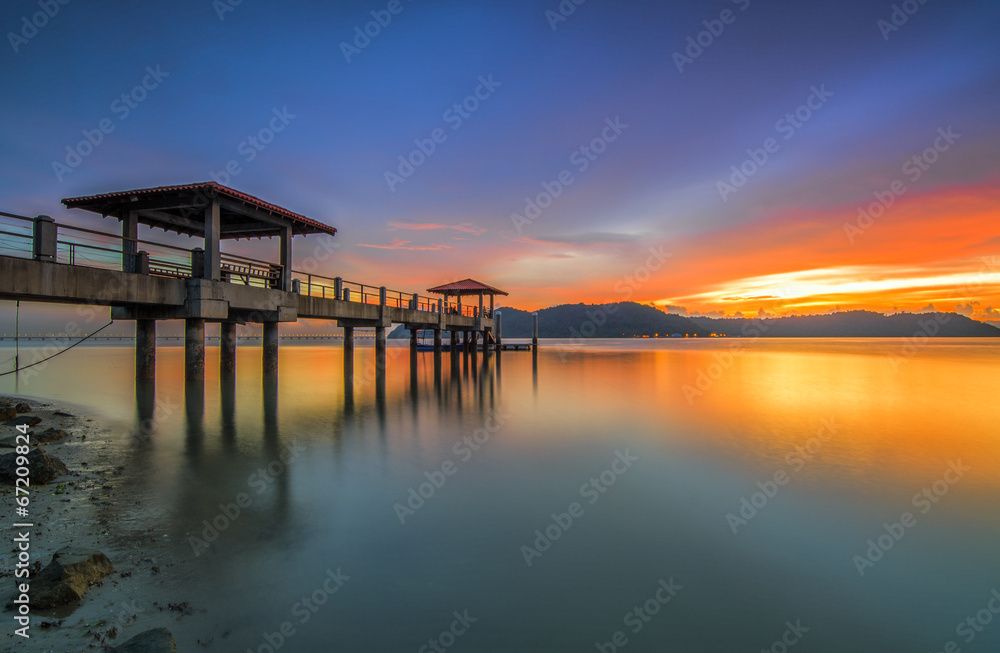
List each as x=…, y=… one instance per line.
x=145, y=281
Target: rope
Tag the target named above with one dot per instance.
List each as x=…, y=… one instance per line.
x=87, y=337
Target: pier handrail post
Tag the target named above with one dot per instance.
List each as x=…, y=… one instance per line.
x=44, y=239
x=416, y=301
x=347, y=294
x=381, y=296
x=141, y=262
x=440, y=305
x=338, y=288
x=297, y=286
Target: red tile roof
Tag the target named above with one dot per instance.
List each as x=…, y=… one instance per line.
x=466, y=287
x=112, y=203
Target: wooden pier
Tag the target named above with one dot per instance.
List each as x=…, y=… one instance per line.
x=147, y=281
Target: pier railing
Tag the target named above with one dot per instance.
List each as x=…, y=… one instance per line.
x=98, y=249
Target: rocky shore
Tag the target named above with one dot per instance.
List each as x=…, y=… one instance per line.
x=97, y=580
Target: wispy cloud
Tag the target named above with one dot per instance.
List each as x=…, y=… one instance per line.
x=467, y=227
x=406, y=244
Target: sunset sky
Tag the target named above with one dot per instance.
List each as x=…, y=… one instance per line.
x=880, y=188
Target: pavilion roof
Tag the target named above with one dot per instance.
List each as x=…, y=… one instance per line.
x=182, y=209
x=466, y=287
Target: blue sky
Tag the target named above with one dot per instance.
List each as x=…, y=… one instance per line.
x=227, y=72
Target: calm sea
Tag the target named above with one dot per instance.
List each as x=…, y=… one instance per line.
x=670, y=495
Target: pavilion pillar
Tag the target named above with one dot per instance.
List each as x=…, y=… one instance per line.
x=480, y=314
x=227, y=349
x=194, y=349
x=269, y=355
x=491, y=305
x=130, y=232
x=286, y=258
x=380, y=349
x=213, y=256
x=145, y=350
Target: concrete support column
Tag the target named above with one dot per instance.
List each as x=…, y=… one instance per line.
x=349, y=343
x=145, y=350
x=194, y=349
x=437, y=342
x=475, y=343
x=213, y=256
x=454, y=342
x=380, y=349
x=130, y=232
x=269, y=355
x=413, y=341
x=498, y=331
x=348, y=368
x=227, y=349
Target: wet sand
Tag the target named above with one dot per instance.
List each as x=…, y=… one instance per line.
x=96, y=506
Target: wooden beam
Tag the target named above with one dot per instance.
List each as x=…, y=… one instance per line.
x=175, y=220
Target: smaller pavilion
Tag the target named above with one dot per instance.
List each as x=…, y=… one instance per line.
x=466, y=288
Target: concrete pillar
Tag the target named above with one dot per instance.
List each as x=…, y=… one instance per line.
x=349, y=343
x=534, y=330
x=348, y=368
x=380, y=349
x=269, y=356
x=213, y=229
x=437, y=342
x=145, y=350
x=475, y=343
x=285, y=259
x=227, y=349
x=413, y=341
x=497, y=318
x=480, y=313
x=130, y=232
x=194, y=349
x=454, y=342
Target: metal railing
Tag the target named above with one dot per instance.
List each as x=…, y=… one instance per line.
x=91, y=248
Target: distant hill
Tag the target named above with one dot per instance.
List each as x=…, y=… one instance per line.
x=629, y=319
x=854, y=324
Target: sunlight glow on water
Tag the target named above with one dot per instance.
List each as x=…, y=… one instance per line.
x=565, y=420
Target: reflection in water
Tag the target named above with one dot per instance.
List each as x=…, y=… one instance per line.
x=194, y=412
x=698, y=455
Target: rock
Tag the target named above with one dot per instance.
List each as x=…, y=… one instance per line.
x=157, y=640
x=62, y=413
x=67, y=577
x=27, y=420
x=50, y=435
x=22, y=408
x=42, y=467
x=7, y=413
